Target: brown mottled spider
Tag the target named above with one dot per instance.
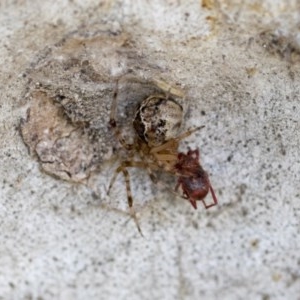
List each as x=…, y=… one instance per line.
x=156, y=122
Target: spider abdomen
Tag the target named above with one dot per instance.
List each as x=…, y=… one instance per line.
x=157, y=119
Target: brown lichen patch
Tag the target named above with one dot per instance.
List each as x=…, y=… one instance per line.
x=282, y=45
x=80, y=73
x=251, y=71
x=63, y=150
x=209, y=4
x=69, y=91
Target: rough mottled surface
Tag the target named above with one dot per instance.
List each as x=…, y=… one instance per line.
x=238, y=64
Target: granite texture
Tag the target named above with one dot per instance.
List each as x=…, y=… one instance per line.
x=62, y=237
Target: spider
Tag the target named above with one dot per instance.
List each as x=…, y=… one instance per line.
x=156, y=122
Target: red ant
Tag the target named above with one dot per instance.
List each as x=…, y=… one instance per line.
x=193, y=179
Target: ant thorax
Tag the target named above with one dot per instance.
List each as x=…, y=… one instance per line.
x=157, y=119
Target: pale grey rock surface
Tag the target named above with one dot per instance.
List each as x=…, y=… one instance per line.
x=238, y=62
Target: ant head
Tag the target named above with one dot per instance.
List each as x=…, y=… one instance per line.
x=194, y=154
x=181, y=155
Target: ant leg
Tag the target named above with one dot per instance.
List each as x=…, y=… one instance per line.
x=164, y=186
x=112, y=120
x=214, y=198
x=177, y=186
x=159, y=183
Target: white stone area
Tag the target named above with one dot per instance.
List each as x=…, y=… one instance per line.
x=239, y=65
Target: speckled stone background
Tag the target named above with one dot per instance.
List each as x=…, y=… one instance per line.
x=238, y=63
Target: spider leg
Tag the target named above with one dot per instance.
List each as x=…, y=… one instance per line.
x=123, y=168
x=165, y=87
x=172, y=145
x=130, y=199
x=188, y=133
x=113, y=122
x=112, y=181
x=132, y=164
x=168, y=89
